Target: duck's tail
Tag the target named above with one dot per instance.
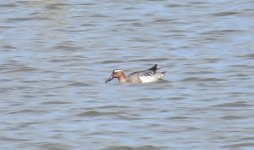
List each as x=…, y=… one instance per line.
x=162, y=75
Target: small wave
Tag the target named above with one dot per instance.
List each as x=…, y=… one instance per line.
x=233, y=104
x=225, y=13
x=146, y=147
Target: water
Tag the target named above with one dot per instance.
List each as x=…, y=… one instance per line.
x=56, y=55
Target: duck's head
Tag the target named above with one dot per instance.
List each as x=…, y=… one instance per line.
x=117, y=73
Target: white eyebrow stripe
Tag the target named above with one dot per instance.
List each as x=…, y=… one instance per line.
x=118, y=70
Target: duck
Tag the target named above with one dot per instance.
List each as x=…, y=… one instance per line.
x=145, y=76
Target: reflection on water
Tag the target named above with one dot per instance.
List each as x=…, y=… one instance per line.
x=56, y=55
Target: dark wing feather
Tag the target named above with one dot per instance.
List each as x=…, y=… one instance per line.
x=154, y=68
x=148, y=72
x=142, y=73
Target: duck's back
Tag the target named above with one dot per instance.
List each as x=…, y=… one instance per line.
x=145, y=76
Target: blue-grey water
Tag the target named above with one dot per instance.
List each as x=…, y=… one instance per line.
x=55, y=56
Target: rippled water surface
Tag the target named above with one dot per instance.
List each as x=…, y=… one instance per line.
x=56, y=55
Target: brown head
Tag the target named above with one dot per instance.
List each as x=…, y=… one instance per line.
x=117, y=74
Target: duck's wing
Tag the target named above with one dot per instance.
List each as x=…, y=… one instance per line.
x=142, y=73
x=148, y=72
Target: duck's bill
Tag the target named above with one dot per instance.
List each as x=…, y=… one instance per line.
x=109, y=79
